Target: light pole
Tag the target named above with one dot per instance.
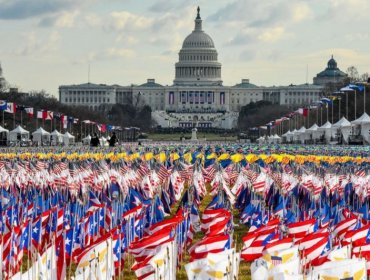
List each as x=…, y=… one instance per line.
x=339, y=99
x=365, y=84
x=347, y=104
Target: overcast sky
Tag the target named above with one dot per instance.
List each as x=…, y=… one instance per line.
x=47, y=43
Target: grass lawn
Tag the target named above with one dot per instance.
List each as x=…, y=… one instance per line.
x=200, y=135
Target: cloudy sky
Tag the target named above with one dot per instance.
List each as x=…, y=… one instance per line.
x=47, y=43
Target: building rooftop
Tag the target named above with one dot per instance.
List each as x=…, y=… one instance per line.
x=245, y=84
x=151, y=83
x=332, y=70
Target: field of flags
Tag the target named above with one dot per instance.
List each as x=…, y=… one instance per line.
x=185, y=212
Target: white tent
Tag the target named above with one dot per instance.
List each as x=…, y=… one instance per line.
x=276, y=138
x=362, y=126
x=86, y=140
x=343, y=122
x=3, y=130
x=261, y=140
x=326, y=128
x=292, y=135
x=56, y=137
x=103, y=141
x=68, y=139
x=287, y=136
x=304, y=135
x=19, y=131
x=313, y=132
x=4, y=135
x=364, y=119
x=41, y=135
x=343, y=126
x=298, y=134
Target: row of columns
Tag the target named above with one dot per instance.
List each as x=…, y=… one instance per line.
x=210, y=72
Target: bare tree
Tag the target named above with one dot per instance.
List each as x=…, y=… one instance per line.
x=364, y=77
x=3, y=83
x=353, y=74
x=138, y=101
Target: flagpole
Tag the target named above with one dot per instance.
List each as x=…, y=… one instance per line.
x=347, y=104
x=339, y=98
x=327, y=112
x=332, y=112
x=21, y=118
x=3, y=118
x=317, y=115
x=355, y=104
x=308, y=117
x=14, y=120
x=364, y=98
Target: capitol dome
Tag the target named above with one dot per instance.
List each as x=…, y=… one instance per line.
x=198, y=63
x=198, y=39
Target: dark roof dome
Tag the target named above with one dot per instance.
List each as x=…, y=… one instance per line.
x=332, y=70
x=332, y=64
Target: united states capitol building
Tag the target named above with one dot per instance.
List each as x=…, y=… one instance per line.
x=197, y=97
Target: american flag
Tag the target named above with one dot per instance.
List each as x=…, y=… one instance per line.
x=360, y=173
x=209, y=173
x=163, y=173
x=276, y=260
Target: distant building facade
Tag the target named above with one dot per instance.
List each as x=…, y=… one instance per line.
x=197, y=96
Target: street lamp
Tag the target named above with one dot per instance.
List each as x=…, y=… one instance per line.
x=365, y=84
x=346, y=90
x=339, y=99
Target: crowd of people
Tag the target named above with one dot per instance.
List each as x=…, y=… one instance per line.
x=95, y=141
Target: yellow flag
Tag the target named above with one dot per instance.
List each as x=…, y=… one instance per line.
x=236, y=157
x=148, y=156
x=188, y=158
x=175, y=156
x=162, y=157
x=212, y=156
x=224, y=156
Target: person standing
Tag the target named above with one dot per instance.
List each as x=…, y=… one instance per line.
x=94, y=142
x=113, y=140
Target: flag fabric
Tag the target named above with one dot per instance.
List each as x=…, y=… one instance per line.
x=64, y=121
x=357, y=87
x=303, y=111
x=48, y=115
x=3, y=105
x=326, y=101
x=96, y=260
x=42, y=114
x=346, y=269
x=10, y=107
x=29, y=111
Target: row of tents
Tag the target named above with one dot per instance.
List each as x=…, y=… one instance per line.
x=342, y=131
x=39, y=136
